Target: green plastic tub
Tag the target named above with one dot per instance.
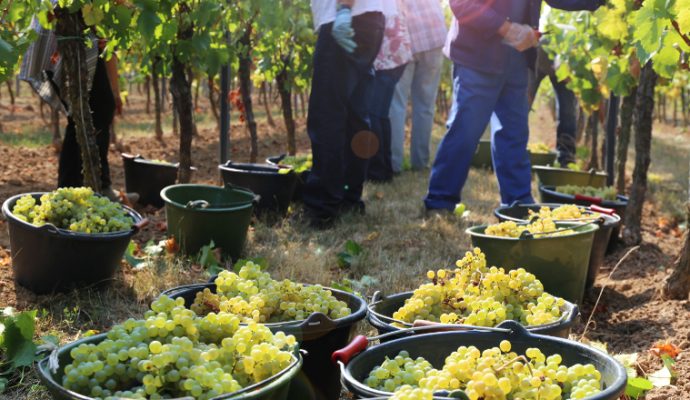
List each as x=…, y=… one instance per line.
x=552, y=176
x=482, y=156
x=199, y=214
x=274, y=388
x=543, y=158
x=435, y=347
x=383, y=307
x=560, y=262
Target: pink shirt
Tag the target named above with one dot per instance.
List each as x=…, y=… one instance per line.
x=426, y=24
x=396, y=48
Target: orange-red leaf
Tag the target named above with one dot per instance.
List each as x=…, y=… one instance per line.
x=668, y=349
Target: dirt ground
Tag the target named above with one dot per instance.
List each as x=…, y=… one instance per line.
x=631, y=316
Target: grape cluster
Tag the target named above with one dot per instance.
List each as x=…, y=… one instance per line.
x=253, y=295
x=407, y=392
x=538, y=148
x=401, y=370
x=539, y=228
x=299, y=164
x=175, y=353
x=76, y=209
x=561, y=213
x=474, y=294
x=606, y=193
x=493, y=374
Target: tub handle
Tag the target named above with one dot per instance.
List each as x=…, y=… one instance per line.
x=356, y=346
x=591, y=199
x=48, y=227
x=602, y=210
x=317, y=319
x=141, y=224
x=197, y=204
x=377, y=296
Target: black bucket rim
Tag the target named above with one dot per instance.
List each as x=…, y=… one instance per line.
x=66, y=233
x=552, y=168
x=519, y=332
x=46, y=376
x=579, y=229
x=570, y=315
x=172, y=203
x=254, y=169
x=138, y=158
x=621, y=200
x=611, y=220
x=355, y=316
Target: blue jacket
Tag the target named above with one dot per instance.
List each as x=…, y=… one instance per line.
x=478, y=44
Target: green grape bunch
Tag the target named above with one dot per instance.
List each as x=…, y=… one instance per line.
x=75, y=209
x=474, y=294
x=540, y=228
x=496, y=373
x=253, y=295
x=173, y=353
x=607, y=193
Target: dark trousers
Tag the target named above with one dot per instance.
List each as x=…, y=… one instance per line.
x=380, y=166
x=102, y=105
x=566, y=109
x=338, y=115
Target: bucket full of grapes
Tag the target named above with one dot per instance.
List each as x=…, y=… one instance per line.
x=68, y=238
x=603, y=239
x=473, y=294
x=556, y=253
x=200, y=214
x=172, y=353
x=541, y=154
x=301, y=164
x=273, y=184
x=553, y=176
x=504, y=361
x=148, y=177
x=322, y=319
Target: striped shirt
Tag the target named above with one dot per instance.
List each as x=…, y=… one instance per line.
x=426, y=24
x=42, y=66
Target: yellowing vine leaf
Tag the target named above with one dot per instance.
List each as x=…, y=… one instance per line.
x=682, y=10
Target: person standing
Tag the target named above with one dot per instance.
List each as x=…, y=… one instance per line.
x=427, y=27
x=491, y=51
x=566, y=106
x=42, y=69
x=395, y=53
x=349, y=37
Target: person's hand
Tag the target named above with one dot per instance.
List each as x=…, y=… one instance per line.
x=342, y=30
x=521, y=37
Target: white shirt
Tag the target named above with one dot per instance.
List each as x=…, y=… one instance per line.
x=324, y=10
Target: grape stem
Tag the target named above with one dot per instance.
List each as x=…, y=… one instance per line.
x=518, y=358
x=683, y=36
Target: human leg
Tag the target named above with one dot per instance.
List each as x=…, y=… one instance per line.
x=509, y=144
x=475, y=95
x=398, y=116
x=427, y=76
x=69, y=163
x=566, y=131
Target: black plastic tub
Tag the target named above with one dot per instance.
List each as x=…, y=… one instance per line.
x=47, y=259
x=275, y=190
x=274, y=388
x=435, y=347
x=148, y=178
x=384, y=306
x=549, y=194
x=301, y=176
x=319, y=335
x=602, y=238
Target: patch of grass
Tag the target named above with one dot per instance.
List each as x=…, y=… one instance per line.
x=28, y=137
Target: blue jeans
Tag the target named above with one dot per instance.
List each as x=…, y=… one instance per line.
x=339, y=109
x=380, y=166
x=476, y=96
x=420, y=82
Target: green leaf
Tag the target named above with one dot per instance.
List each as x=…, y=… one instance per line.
x=147, y=23
x=651, y=20
x=637, y=386
x=353, y=248
x=92, y=14
x=129, y=256
x=18, y=344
